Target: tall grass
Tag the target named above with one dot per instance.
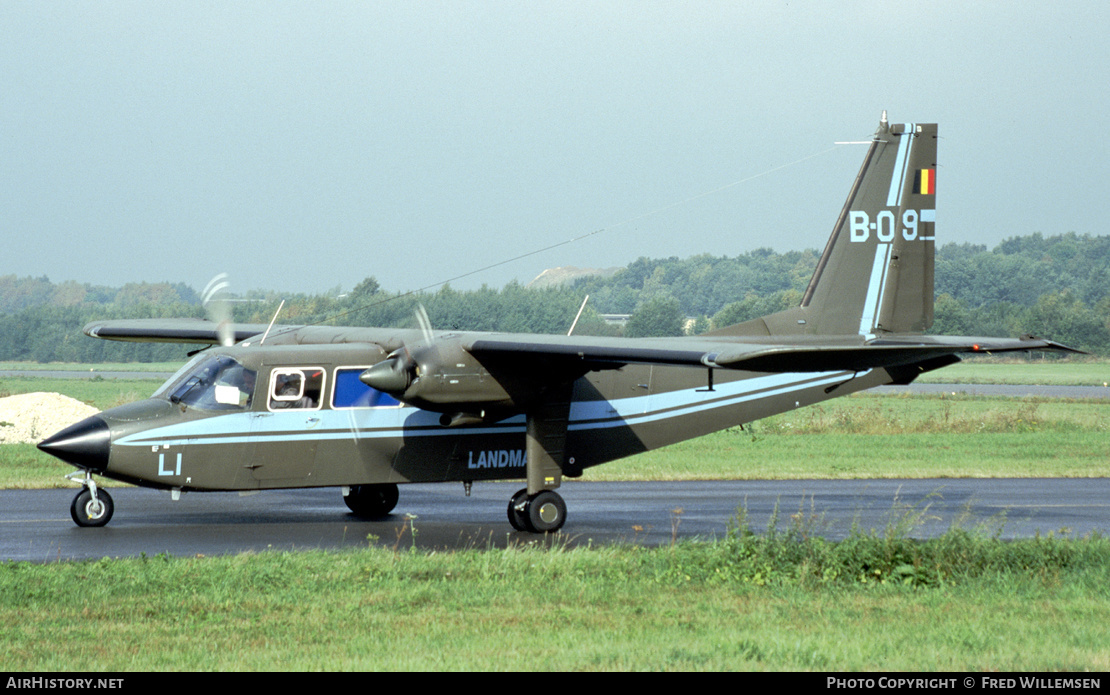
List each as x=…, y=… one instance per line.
x=875, y=414
x=797, y=554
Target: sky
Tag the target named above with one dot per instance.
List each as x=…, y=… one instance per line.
x=304, y=146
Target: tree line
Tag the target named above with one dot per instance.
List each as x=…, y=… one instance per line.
x=1056, y=287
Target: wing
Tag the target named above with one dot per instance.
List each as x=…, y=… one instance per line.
x=583, y=354
x=479, y=373
x=753, y=354
x=169, y=330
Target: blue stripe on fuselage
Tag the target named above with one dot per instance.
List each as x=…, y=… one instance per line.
x=373, y=423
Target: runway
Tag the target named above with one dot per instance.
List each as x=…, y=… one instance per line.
x=35, y=524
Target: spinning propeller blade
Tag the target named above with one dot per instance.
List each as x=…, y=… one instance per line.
x=218, y=308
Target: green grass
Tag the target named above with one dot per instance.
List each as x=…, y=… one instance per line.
x=775, y=600
x=787, y=601
x=732, y=456
x=1048, y=371
x=904, y=436
x=98, y=392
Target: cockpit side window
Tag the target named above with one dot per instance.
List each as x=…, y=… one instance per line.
x=170, y=384
x=296, y=388
x=216, y=382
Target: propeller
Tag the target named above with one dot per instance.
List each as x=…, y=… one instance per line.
x=425, y=324
x=399, y=370
x=218, y=308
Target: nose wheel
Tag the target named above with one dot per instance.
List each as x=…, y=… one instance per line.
x=544, y=512
x=92, y=506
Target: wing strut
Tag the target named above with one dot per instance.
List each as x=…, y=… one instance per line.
x=545, y=445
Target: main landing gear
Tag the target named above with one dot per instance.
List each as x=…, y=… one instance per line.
x=544, y=512
x=92, y=506
x=371, y=501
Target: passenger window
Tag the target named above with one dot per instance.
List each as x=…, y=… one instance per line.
x=296, y=388
x=352, y=393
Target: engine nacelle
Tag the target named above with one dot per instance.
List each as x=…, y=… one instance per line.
x=441, y=377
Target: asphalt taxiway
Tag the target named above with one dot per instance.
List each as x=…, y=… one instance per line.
x=35, y=524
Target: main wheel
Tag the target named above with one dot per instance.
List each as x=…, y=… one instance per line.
x=547, y=512
x=89, y=512
x=518, y=510
x=372, y=501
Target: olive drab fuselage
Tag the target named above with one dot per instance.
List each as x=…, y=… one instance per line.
x=329, y=429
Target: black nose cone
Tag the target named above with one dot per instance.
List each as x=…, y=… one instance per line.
x=85, y=444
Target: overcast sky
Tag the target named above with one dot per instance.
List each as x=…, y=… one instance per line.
x=302, y=146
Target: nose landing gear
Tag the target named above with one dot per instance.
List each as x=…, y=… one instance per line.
x=92, y=506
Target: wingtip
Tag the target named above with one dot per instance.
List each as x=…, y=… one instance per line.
x=1051, y=344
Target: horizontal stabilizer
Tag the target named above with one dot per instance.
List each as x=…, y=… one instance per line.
x=870, y=356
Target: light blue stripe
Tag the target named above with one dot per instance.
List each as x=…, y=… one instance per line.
x=823, y=379
x=408, y=422
x=898, y=182
x=887, y=253
x=875, y=286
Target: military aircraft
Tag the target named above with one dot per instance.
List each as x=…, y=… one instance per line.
x=366, y=409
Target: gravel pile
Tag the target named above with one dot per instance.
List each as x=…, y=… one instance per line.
x=32, y=417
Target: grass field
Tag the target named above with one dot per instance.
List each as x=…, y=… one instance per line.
x=1051, y=371
x=755, y=601
x=750, y=602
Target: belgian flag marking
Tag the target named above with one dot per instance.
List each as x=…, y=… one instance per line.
x=925, y=182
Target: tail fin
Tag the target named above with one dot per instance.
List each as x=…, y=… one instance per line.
x=876, y=273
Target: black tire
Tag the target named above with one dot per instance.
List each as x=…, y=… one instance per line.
x=519, y=519
x=547, y=512
x=372, y=501
x=87, y=513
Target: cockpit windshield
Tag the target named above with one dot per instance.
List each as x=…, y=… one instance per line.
x=211, y=382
